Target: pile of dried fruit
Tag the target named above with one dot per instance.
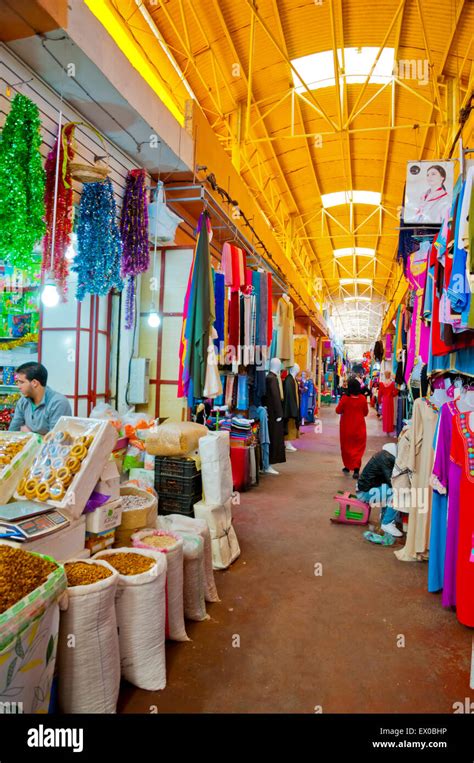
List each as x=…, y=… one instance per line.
x=20, y=573
x=159, y=541
x=80, y=573
x=9, y=449
x=128, y=564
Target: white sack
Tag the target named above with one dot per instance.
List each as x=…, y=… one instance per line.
x=225, y=546
x=193, y=590
x=141, y=613
x=175, y=630
x=89, y=668
x=179, y=523
x=225, y=549
x=216, y=468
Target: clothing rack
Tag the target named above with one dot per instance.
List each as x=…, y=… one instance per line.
x=196, y=192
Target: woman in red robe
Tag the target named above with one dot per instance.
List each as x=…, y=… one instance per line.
x=353, y=432
x=387, y=393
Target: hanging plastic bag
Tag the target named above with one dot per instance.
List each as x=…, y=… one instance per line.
x=162, y=222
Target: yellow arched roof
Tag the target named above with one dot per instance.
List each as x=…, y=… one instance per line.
x=295, y=145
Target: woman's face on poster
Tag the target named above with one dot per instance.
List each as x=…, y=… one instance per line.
x=434, y=178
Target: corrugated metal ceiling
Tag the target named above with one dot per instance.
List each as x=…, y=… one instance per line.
x=209, y=38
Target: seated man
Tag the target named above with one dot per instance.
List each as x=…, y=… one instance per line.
x=374, y=486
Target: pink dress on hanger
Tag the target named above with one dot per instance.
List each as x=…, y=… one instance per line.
x=419, y=338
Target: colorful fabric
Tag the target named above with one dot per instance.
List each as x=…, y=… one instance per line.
x=256, y=290
x=200, y=317
x=270, y=309
x=242, y=392
x=219, y=293
x=263, y=308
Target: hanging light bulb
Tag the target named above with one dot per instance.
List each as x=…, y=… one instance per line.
x=154, y=319
x=50, y=294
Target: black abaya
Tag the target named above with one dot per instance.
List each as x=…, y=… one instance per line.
x=275, y=411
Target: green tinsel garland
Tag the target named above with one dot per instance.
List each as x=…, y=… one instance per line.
x=22, y=184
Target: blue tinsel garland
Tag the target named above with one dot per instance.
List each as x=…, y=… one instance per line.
x=99, y=246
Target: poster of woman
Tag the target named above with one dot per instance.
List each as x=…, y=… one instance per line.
x=429, y=192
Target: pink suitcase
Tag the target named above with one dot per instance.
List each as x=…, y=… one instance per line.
x=351, y=511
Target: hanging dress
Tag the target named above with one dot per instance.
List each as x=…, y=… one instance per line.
x=420, y=465
x=352, y=429
x=285, y=322
x=462, y=453
x=387, y=393
x=446, y=480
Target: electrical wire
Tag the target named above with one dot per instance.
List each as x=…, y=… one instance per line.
x=135, y=322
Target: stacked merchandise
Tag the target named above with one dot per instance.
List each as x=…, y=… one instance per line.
x=178, y=484
x=232, y=327
x=244, y=329
x=216, y=507
x=104, y=510
x=243, y=441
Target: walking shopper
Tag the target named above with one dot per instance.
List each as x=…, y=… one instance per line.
x=352, y=430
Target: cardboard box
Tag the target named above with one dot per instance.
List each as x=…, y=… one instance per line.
x=106, y=517
x=99, y=541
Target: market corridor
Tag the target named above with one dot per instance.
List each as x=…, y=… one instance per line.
x=314, y=641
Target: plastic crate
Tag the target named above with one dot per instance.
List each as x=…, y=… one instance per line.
x=188, y=487
x=165, y=466
x=175, y=504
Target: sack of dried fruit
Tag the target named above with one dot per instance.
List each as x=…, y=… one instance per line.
x=140, y=606
x=181, y=524
x=30, y=586
x=193, y=576
x=89, y=675
x=169, y=545
x=174, y=439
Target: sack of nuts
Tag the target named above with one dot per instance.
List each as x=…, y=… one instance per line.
x=89, y=676
x=141, y=591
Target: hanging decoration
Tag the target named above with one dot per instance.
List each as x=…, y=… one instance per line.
x=13, y=345
x=99, y=247
x=64, y=209
x=22, y=184
x=134, y=232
